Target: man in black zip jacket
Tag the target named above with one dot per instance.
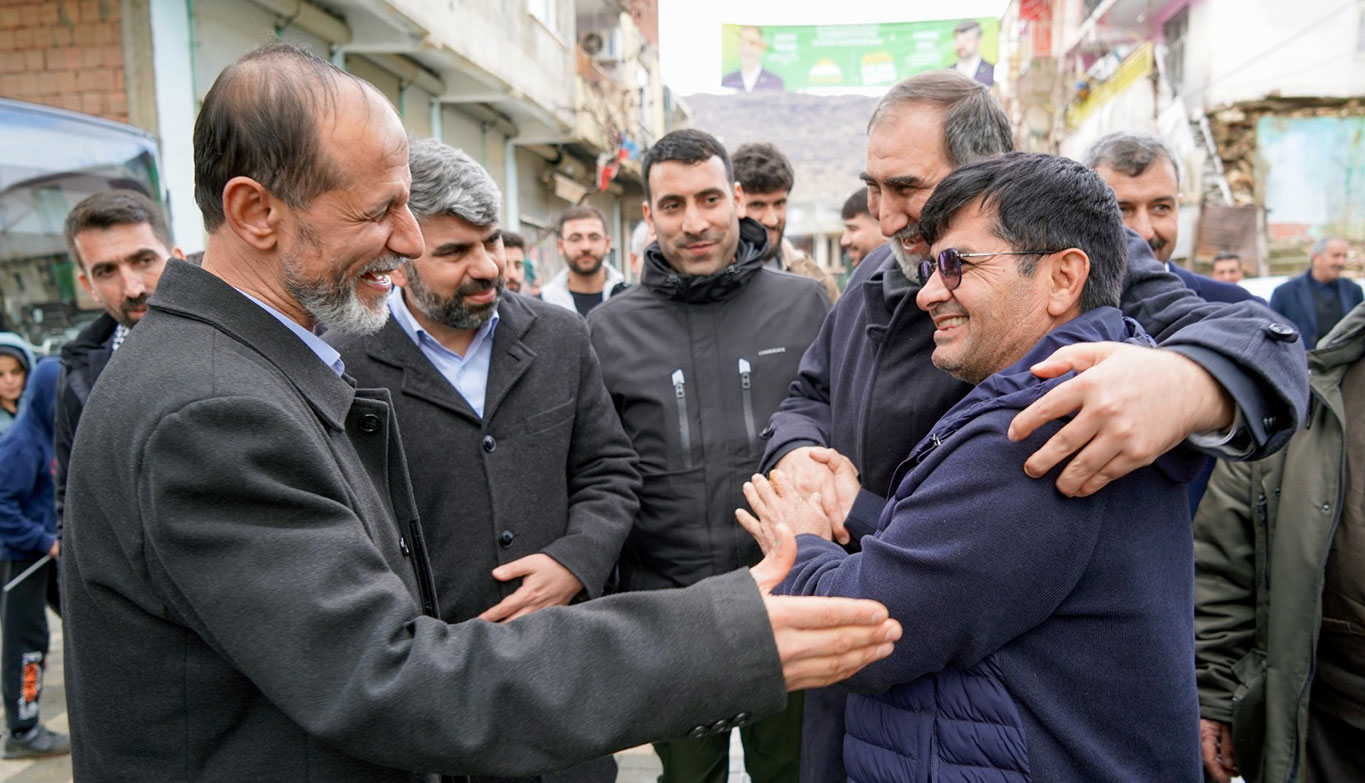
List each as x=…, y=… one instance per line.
x=697, y=358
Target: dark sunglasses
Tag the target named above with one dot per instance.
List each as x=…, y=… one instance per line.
x=950, y=264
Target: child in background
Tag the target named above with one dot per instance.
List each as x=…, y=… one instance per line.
x=28, y=532
x=15, y=363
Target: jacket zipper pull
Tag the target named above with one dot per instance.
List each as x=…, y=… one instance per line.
x=403, y=546
x=746, y=386
x=684, y=431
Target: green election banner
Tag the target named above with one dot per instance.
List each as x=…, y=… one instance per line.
x=801, y=57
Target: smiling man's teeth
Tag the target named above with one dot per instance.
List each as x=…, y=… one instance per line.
x=948, y=323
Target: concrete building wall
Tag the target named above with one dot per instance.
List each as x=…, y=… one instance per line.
x=506, y=41
x=226, y=29
x=1311, y=176
x=1242, y=50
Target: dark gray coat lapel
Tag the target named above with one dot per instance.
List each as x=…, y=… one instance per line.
x=392, y=347
x=201, y=296
x=511, y=357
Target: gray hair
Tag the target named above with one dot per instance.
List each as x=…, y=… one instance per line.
x=639, y=238
x=1320, y=246
x=1130, y=153
x=446, y=181
x=974, y=125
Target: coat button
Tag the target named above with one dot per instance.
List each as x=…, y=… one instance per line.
x=720, y=727
x=489, y=444
x=697, y=732
x=1281, y=332
x=741, y=719
x=369, y=423
x=506, y=537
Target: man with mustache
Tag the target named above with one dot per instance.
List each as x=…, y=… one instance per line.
x=514, y=250
x=524, y=481
x=1142, y=170
x=246, y=588
x=586, y=280
x=867, y=391
x=696, y=357
x=120, y=243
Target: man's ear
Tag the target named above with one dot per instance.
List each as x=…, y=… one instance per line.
x=251, y=213
x=399, y=276
x=84, y=280
x=1066, y=273
x=739, y=200
x=644, y=209
x=176, y=252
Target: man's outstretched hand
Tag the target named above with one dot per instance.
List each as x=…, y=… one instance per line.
x=776, y=502
x=1132, y=405
x=820, y=640
x=816, y=470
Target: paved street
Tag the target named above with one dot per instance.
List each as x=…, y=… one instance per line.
x=638, y=765
x=53, y=714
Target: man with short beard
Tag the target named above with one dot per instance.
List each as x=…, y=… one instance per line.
x=767, y=178
x=514, y=250
x=524, y=481
x=120, y=242
x=586, y=280
x=241, y=536
x=696, y=357
x=1143, y=172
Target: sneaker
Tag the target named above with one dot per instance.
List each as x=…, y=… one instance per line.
x=35, y=742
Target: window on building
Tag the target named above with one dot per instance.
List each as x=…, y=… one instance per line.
x=544, y=10
x=1174, y=32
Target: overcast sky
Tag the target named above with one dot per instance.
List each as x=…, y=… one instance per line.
x=689, y=30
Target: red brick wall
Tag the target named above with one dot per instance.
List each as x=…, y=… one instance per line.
x=64, y=53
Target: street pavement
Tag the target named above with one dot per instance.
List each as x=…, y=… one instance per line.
x=638, y=765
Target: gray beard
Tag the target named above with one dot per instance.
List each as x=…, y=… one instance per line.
x=335, y=303
x=909, y=264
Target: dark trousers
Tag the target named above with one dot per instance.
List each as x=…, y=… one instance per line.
x=1335, y=750
x=23, y=639
x=772, y=751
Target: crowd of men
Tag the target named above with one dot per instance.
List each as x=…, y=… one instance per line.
x=355, y=504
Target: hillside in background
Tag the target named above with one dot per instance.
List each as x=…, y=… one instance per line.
x=824, y=136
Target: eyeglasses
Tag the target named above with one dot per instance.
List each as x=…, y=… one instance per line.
x=950, y=264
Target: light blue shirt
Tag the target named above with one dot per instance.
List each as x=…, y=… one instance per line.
x=468, y=373
x=325, y=352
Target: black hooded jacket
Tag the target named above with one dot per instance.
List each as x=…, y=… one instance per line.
x=695, y=367
x=83, y=360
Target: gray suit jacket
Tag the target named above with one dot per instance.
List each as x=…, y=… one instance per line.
x=547, y=469
x=247, y=596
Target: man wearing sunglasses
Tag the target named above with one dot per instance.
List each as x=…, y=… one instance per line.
x=1234, y=372
x=1046, y=637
